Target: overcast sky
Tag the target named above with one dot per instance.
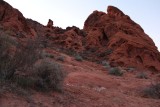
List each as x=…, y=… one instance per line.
x=74, y=12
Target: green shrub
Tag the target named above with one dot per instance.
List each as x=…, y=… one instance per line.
x=24, y=81
x=105, y=53
x=22, y=58
x=19, y=67
x=70, y=52
x=61, y=58
x=109, y=51
x=6, y=62
x=48, y=75
x=131, y=69
x=44, y=54
x=78, y=57
x=106, y=64
x=142, y=75
x=115, y=71
x=153, y=91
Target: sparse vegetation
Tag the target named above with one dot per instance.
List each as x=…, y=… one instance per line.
x=24, y=81
x=142, y=75
x=44, y=54
x=70, y=52
x=130, y=69
x=6, y=59
x=16, y=66
x=105, y=53
x=152, y=91
x=112, y=70
x=115, y=71
x=78, y=57
x=106, y=64
x=21, y=58
x=48, y=75
x=61, y=58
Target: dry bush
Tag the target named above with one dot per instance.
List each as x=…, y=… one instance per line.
x=142, y=75
x=45, y=75
x=152, y=91
x=115, y=71
x=6, y=65
x=106, y=64
x=20, y=68
x=48, y=75
x=22, y=58
x=78, y=58
x=60, y=58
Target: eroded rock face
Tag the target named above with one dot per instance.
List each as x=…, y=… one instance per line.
x=130, y=46
x=50, y=23
x=114, y=11
x=70, y=39
x=111, y=36
x=12, y=19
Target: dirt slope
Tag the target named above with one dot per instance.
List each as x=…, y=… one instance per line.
x=87, y=84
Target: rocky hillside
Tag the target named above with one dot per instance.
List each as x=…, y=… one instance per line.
x=110, y=36
x=109, y=43
x=129, y=44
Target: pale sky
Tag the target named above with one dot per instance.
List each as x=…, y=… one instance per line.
x=74, y=12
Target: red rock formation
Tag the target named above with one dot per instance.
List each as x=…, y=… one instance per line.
x=71, y=38
x=50, y=23
x=114, y=12
x=130, y=45
x=110, y=36
x=12, y=19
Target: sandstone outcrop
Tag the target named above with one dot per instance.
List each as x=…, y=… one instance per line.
x=110, y=36
x=130, y=46
x=13, y=20
x=50, y=23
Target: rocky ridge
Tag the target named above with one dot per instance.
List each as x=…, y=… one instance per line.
x=110, y=36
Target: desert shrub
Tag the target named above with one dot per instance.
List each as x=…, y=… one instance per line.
x=153, y=91
x=22, y=58
x=92, y=50
x=106, y=64
x=71, y=52
x=130, y=69
x=78, y=57
x=24, y=81
x=48, y=75
x=44, y=54
x=60, y=58
x=45, y=75
x=105, y=53
x=108, y=51
x=142, y=75
x=115, y=71
x=6, y=44
x=18, y=66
